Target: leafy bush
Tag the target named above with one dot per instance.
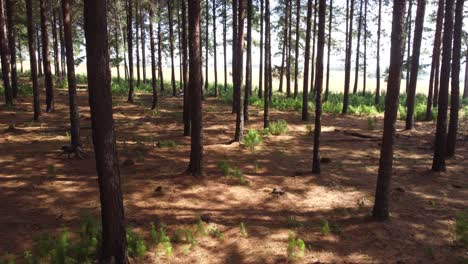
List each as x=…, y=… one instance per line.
x=136, y=244
x=252, y=139
x=232, y=172
x=277, y=128
x=296, y=248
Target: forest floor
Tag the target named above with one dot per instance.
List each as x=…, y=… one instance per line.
x=42, y=192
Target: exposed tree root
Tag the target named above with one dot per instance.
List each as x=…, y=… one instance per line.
x=70, y=151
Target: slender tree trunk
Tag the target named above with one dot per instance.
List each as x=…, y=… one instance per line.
x=234, y=55
x=288, y=63
x=137, y=41
x=330, y=19
x=20, y=53
x=171, y=46
x=114, y=242
x=215, y=57
x=143, y=44
x=154, y=82
x=455, y=95
x=195, y=167
x=377, y=77
x=465, y=91
x=348, y=60
x=434, y=77
x=32, y=60
x=185, y=58
x=49, y=84
x=62, y=47
x=161, y=75
x=130, y=49
x=364, y=74
x=314, y=33
x=285, y=43
x=179, y=33
x=207, y=44
x=418, y=31
x=305, y=89
x=267, y=92
x=225, y=42
x=73, y=104
x=319, y=86
x=54, y=37
x=10, y=11
x=5, y=54
x=409, y=23
x=239, y=134
x=39, y=49
x=438, y=163
x=248, y=68
x=117, y=53
x=262, y=48
x=382, y=192
x=358, y=51
x=296, y=63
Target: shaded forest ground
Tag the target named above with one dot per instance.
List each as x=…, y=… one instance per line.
x=42, y=192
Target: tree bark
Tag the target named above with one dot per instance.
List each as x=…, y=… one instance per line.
x=239, y=133
x=54, y=37
x=234, y=55
x=267, y=92
x=143, y=43
x=382, y=192
x=161, y=75
x=330, y=19
x=409, y=23
x=418, y=31
x=186, y=112
x=171, y=46
x=195, y=167
x=49, y=84
x=248, y=68
x=465, y=92
x=32, y=60
x=5, y=54
x=296, y=64
x=305, y=89
x=130, y=50
x=137, y=42
x=358, y=51
x=379, y=26
x=314, y=33
x=154, y=81
x=225, y=42
x=285, y=43
x=10, y=10
x=39, y=48
x=215, y=57
x=349, y=39
x=262, y=48
x=319, y=86
x=434, y=75
x=364, y=74
x=114, y=242
x=455, y=95
x=438, y=163
x=288, y=62
x=62, y=47
x=207, y=44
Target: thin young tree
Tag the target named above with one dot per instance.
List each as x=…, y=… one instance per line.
x=171, y=46
x=262, y=48
x=248, y=66
x=382, y=192
x=465, y=91
x=160, y=68
x=130, y=50
x=186, y=110
x=207, y=43
x=455, y=92
x=75, y=142
x=39, y=48
x=33, y=60
x=62, y=47
x=349, y=46
x=330, y=20
x=215, y=50
x=296, y=61
x=267, y=92
x=10, y=11
x=305, y=88
x=114, y=242
x=434, y=74
x=239, y=133
x=438, y=163
x=143, y=42
x=418, y=31
x=284, y=45
x=55, y=43
x=377, y=57
x=407, y=42
x=49, y=84
x=319, y=86
x=358, y=50
x=5, y=54
x=154, y=81
x=288, y=62
x=195, y=167
x=234, y=55
x=314, y=33
x=364, y=68
x=225, y=42
x=137, y=41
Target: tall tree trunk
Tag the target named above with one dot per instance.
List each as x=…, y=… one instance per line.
x=20, y=53
x=137, y=41
x=377, y=77
x=114, y=242
x=195, y=167
x=418, y=31
x=225, y=42
x=117, y=53
x=305, y=88
x=179, y=33
x=358, y=51
x=39, y=49
x=465, y=91
x=364, y=74
x=49, y=84
x=330, y=19
x=5, y=54
x=32, y=60
x=262, y=48
x=72, y=99
x=143, y=44
x=239, y=134
x=319, y=86
x=314, y=33
x=248, y=68
x=215, y=57
x=154, y=81
x=234, y=55
x=161, y=75
x=267, y=92
x=54, y=37
x=409, y=23
x=185, y=58
x=438, y=163
x=296, y=62
x=10, y=10
x=130, y=50
x=207, y=44
x=62, y=47
x=288, y=62
x=434, y=75
x=285, y=43
x=349, y=52
x=171, y=46
x=455, y=95
x=382, y=192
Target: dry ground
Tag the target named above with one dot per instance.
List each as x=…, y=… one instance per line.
x=423, y=204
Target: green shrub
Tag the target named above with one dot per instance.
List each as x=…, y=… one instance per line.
x=167, y=144
x=277, y=128
x=216, y=233
x=296, y=248
x=461, y=228
x=136, y=244
x=252, y=139
x=324, y=227
x=232, y=172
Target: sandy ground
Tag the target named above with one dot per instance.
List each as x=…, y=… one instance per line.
x=423, y=204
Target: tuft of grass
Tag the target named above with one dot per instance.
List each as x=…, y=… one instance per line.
x=296, y=248
x=167, y=144
x=243, y=230
x=252, y=139
x=232, y=172
x=461, y=228
x=276, y=128
x=324, y=227
x=292, y=222
x=136, y=244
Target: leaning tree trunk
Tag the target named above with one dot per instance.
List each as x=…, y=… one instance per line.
x=455, y=95
x=5, y=54
x=32, y=60
x=438, y=163
x=248, y=68
x=349, y=38
x=114, y=242
x=49, y=84
x=130, y=50
x=171, y=46
x=73, y=104
x=239, y=133
x=382, y=192
x=296, y=64
x=418, y=31
x=10, y=5
x=330, y=19
x=377, y=74
x=186, y=113
x=154, y=81
x=54, y=37
x=319, y=86
x=195, y=167
x=262, y=48
x=267, y=92
x=358, y=51
x=305, y=89
x=434, y=75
